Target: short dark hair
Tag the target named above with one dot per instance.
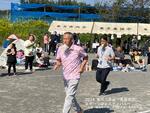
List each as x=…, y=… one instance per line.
x=69, y=33
x=14, y=45
x=105, y=38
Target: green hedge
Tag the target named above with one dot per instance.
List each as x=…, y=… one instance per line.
x=22, y=29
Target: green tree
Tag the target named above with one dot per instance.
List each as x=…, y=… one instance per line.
x=23, y=29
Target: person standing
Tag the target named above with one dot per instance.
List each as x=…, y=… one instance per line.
x=46, y=42
x=95, y=46
x=29, y=52
x=11, y=58
x=73, y=58
x=148, y=56
x=51, y=41
x=105, y=56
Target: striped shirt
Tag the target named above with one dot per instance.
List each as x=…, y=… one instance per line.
x=71, y=60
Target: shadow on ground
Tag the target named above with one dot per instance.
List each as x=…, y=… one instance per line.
x=18, y=74
x=99, y=110
x=116, y=90
x=42, y=69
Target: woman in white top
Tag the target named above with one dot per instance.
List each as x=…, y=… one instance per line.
x=29, y=52
x=105, y=56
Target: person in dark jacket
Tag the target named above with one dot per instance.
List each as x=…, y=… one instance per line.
x=11, y=58
x=148, y=55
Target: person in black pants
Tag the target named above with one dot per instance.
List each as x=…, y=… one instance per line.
x=148, y=56
x=29, y=62
x=105, y=56
x=101, y=76
x=11, y=58
x=29, y=52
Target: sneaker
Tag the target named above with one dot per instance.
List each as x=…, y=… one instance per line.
x=102, y=94
x=15, y=74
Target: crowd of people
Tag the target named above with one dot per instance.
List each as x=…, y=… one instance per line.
x=51, y=43
x=73, y=57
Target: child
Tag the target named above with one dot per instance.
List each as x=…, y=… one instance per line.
x=20, y=57
x=39, y=50
x=11, y=58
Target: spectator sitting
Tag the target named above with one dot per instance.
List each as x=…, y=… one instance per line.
x=119, y=56
x=20, y=54
x=137, y=58
x=43, y=60
x=20, y=57
x=39, y=50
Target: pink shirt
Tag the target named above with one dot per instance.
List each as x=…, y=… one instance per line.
x=46, y=39
x=71, y=60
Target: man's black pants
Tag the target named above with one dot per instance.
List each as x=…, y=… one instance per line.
x=101, y=76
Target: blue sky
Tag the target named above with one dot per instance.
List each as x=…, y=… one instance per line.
x=5, y=4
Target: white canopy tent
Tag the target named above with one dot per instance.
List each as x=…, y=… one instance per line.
x=115, y=28
x=100, y=28
x=75, y=27
x=19, y=45
x=13, y=36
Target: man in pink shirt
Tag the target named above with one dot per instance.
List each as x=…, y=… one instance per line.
x=73, y=58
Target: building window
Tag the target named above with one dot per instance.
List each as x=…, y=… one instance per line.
x=84, y=26
x=70, y=26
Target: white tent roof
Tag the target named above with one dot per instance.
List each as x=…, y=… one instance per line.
x=74, y=27
x=19, y=45
x=115, y=28
x=100, y=28
x=13, y=36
